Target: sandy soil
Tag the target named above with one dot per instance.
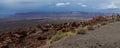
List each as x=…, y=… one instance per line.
x=107, y=36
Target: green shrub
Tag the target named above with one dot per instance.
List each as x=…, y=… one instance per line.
x=111, y=21
x=97, y=26
x=81, y=31
x=118, y=19
x=90, y=27
x=21, y=40
x=103, y=23
x=57, y=36
x=69, y=33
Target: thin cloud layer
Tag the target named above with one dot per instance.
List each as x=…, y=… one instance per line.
x=33, y=5
x=40, y=3
x=112, y=5
x=62, y=4
x=82, y=5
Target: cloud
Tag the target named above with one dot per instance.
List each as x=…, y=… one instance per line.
x=62, y=4
x=82, y=5
x=79, y=3
x=25, y=3
x=28, y=5
x=112, y=5
x=67, y=3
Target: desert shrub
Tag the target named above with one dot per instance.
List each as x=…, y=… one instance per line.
x=69, y=33
x=81, y=31
x=97, y=26
x=57, y=36
x=118, y=19
x=90, y=27
x=38, y=26
x=103, y=23
x=21, y=40
x=111, y=21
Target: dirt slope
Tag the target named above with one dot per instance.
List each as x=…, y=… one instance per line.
x=107, y=36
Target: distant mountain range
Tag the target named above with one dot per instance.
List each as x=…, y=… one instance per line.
x=59, y=12
x=110, y=10
x=37, y=15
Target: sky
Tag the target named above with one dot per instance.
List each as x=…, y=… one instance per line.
x=14, y=6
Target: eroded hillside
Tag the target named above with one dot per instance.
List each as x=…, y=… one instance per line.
x=49, y=33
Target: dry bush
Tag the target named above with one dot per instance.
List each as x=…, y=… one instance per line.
x=103, y=23
x=97, y=26
x=57, y=36
x=81, y=31
x=118, y=19
x=90, y=27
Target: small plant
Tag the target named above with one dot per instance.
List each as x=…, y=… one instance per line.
x=90, y=27
x=21, y=40
x=103, y=23
x=118, y=19
x=97, y=26
x=57, y=36
x=81, y=31
x=38, y=26
x=69, y=33
x=111, y=21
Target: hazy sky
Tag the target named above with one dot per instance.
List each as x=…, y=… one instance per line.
x=7, y=6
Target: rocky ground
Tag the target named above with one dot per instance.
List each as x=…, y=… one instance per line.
x=107, y=36
x=42, y=35
x=9, y=26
